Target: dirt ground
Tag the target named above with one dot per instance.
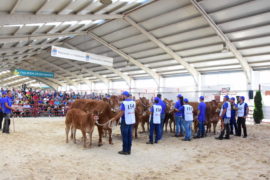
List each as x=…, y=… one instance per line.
x=37, y=150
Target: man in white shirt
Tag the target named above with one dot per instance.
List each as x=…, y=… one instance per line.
x=188, y=118
x=242, y=112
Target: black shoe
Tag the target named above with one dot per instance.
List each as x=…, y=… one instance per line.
x=185, y=139
x=227, y=137
x=196, y=137
x=123, y=153
x=175, y=135
x=129, y=153
x=156, y=142
x=244, y=136
x=219, y=138
x=149, y=142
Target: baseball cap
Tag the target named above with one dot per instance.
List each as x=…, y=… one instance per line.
x=179, y=95
x=227, y=97
x=156, y=99
x=232, y=98
x=125, y=93
x=243, y=98
x=186, y=100
x=202, y=97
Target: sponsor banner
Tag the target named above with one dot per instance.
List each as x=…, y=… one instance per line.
x=81, y=56
x=23, y=72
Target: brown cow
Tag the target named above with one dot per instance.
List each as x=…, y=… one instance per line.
x=169, y=116
x=142, y=114
x=105, y=115
x=78, y=119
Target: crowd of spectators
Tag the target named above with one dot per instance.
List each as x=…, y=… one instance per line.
x=35, y=103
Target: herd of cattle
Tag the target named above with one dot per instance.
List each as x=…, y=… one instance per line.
x=85, y=114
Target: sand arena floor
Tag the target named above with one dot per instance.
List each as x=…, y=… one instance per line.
x=37, y=150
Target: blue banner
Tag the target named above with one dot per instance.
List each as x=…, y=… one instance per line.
x=23, y=72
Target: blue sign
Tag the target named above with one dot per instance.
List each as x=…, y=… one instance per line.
x=23, y=72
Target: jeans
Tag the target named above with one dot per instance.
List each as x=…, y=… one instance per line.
x=226, y=129
x=188, y=128
x=6, y=123
x=154, y=128
x=1, y=119
x=161, y=126
x=233, y=125
x=241, y=122
x=201, y=131
x=126, y=132
x=179, y=123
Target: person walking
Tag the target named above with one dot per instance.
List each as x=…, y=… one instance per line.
x=242, y=113
x=128, y=119
x=155, y=121
x=1, y=111
x=225, y=116
x=188, y=118
x=7, y=109
x=162, y=116
x=201, y=118
x=233, y=116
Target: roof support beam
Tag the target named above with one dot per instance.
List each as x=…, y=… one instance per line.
x=13, y=19
x=22, y=49
x=14, y=7
x=153, y=74
x=244, y=63
x=64, y=70
x=41, y=69
x=170, y=52
x=11, y=39
x=51, y=84
x=125, y=77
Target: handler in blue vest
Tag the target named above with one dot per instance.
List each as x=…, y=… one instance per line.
x=225, y=116
x=242, y=115
x=178, y=116
x=7, y=109
x=163, y=112
x=188, y=118
x=201, y=118
x=128, y=119
x=233, y=116
x=155, y=121
x=1, y=111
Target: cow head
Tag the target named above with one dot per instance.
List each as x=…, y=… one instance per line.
x=95, y=115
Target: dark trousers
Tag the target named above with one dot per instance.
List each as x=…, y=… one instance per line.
x=201, y=131
x=241, y=123
x=233, y=125
x=154, y=128
x=6, y=123
x=226, y=129
x=1, y=119
x=161, y=126
x=126, y=131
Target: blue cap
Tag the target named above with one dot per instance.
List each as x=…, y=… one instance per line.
x=202, y=97
x=179, y=95
x=156, y=99
x=125, y=93
x=186, y=100
x=243, y=98
x=232, y=98
x=227, y=97
x=4, y=92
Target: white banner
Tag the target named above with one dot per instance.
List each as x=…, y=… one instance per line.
x=81, y=56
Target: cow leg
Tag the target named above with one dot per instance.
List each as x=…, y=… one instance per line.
x=90, y=136
x=71, y=132
x=74, y=135
x=110, y=136
x=84, y=138
x=67, y=132
x=100, y=132
x=143, y=129
x=148, y=128
x=136, y=131
x=215, y=126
